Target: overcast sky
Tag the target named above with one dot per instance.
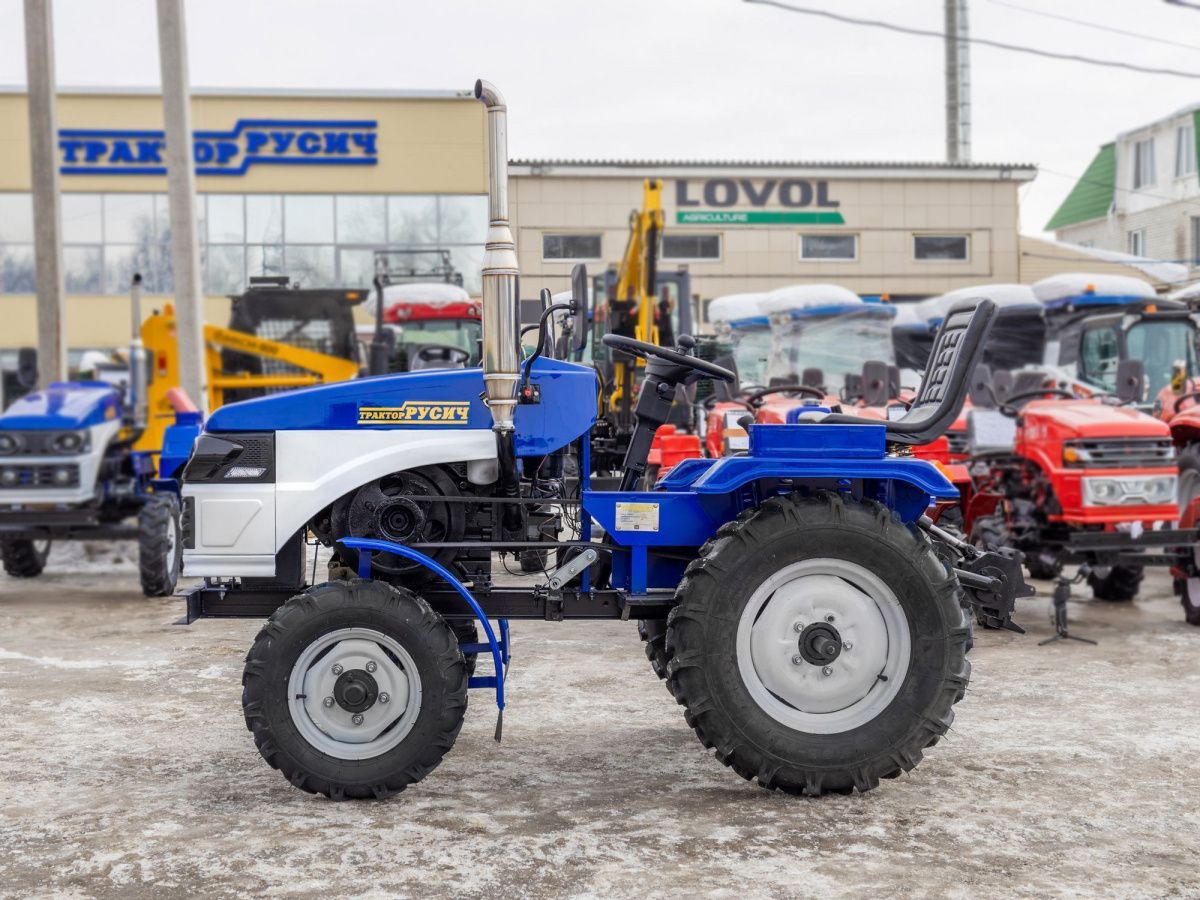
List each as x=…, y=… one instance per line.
x=666, y=79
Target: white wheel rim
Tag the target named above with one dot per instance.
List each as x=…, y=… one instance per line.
x=331, y=729
x=869, y=669
x=172, y=543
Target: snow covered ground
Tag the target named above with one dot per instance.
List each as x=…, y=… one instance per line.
x=128, y=772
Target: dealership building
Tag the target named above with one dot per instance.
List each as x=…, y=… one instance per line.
x=309, y=184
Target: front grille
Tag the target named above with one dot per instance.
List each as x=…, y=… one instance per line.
x=38, y=476
x=957, y=441
x=1123, y=453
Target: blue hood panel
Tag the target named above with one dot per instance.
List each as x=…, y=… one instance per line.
x=63, y=405
x=425, y=399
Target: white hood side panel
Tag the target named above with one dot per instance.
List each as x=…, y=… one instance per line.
x=314, y=468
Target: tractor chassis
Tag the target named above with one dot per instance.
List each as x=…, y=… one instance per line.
x=1113, y=548
x=62, y=525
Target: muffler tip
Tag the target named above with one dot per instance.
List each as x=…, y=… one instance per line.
x=478, y=88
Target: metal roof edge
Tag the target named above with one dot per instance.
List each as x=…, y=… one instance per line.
x=315, y=93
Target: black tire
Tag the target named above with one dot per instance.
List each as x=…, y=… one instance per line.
x=467, y=632
x=160, y=545
x=1120, y=585
x=1045, y=564
x=400, y=615
x=1190, y=601
x=1189, y=475
x=24, y=558
x=653, y=633
x=702, y=641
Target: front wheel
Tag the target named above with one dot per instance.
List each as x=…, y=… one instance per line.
x=160, y=548
x=1189, y=596
x=24, y=558
x=1118, y=585
x=355, y=689
x=818, y=645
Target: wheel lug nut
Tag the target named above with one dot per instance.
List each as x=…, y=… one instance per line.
x=371, y=667
x=798, y=627
x=829, y=618
x=797, y=660
x=384, y=697
x=328, y=701
x=337, y=668
x=846, y=645
x=828, y=670
x=357, y=719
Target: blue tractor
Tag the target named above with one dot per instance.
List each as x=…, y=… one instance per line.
x=71, y=469
x=816, y=623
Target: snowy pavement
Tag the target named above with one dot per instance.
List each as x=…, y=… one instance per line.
x=128, y=772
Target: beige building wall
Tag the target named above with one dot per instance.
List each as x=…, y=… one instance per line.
x=883, y=207
x=1041, y=259
x=427, y=144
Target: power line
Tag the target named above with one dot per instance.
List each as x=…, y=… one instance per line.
x=985, y=42
x=1096, y=25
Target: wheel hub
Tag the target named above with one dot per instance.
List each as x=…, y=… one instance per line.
x=400, y=519
x=356, y=690
x=820, y=644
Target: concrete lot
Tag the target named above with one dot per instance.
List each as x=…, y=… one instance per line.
x=128, y=772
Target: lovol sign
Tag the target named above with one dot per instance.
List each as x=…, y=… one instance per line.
x=802, y=202
x=286, y=142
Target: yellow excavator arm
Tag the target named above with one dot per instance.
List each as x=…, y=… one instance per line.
x=634, y=298
x=158, y=336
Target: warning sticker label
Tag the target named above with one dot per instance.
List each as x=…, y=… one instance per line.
x=637, y=517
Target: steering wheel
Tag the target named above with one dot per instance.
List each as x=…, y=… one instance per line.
x=1009, y=410
x=644, y=350
x=437, y=355
x=1194, y=395
x=756, y=399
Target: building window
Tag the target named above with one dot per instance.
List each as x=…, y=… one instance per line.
x=1137, y=242
x=1185, y=150
x=570, y=246
x=1195, y=240
x=829, y=246
x=1143, y=163
x=953, y=247
x=319, y=240
x=691, y=246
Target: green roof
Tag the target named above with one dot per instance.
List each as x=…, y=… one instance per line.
x=1092, y=196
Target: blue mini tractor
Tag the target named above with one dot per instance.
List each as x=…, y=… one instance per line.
x=69, y=470
x=806, y=613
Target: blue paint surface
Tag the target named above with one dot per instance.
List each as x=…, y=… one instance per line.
x=64, y=405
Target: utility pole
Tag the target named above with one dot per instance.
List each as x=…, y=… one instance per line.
x=47, y=212
x=181, y=199
x=953, y=106
x=964, y=84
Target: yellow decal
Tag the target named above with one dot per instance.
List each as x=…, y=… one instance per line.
x=416, y=412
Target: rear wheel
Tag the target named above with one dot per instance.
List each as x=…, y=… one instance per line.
x=653, y=633
x=1118, y=585
x=24, y=558
x=1189, y=475
x=818, y=645
x=160, y=549
x=355, y=689
x=1189, y=596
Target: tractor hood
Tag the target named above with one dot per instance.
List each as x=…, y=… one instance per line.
x=433, y=398
x=1089, y=419
x=62, y=406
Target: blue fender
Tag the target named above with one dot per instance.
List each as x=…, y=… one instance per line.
x=498, y=648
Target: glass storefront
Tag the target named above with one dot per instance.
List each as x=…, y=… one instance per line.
x=318, y=240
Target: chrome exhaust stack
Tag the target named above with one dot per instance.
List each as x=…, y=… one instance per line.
x=139, y=363
x=501, y=300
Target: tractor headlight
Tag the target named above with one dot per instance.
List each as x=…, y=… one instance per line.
x=69, y=442
x=221, y=458
x=1135, y=491
x=9, y=476
x=9, y=443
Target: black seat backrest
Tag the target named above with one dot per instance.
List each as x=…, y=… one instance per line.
x=893, y=382
x=876, y=383
x=957, y=349
x=813, y=377
x=1131, y=381
x=1029, y=381
x=781, y=381
x=980, y=390
x=1002, y=385
x=852, y=389
x=724, y=390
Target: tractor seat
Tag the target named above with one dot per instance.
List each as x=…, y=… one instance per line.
x=876, y=383
x=957, y=350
